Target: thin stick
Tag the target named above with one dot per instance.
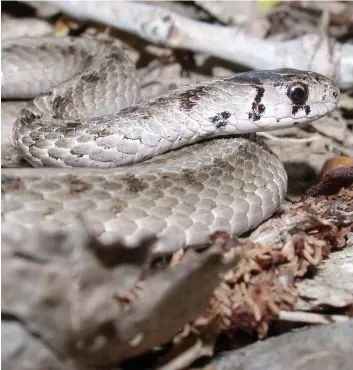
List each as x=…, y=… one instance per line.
x=289, y=140
x=161, y=26
x=311, y=318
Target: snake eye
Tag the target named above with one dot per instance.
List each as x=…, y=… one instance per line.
x=298, y=93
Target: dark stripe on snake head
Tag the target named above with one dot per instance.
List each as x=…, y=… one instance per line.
x=257, y=108
x=297, y=108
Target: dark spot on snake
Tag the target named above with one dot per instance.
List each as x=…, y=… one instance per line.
x=128, y=110
x=256, y=115
x=259, y=95
x=11, y=184
x=72, y=124
x=41, y=95
x=129, y=138
x=297, y=108
x=190, y=177
x=224, y=165
x=295, y=123
x=257, y=108
x=59, y=101
x=167, y=18
x=261, y=108
x=220, y=119
x=76, y=154
x=187, y=177
x=76, y=185
x=28, y=116
x=116, y=56
x=323, y=97
x=246, y=78
x=91, y=77
x=158, y=102
x=190, y=98
x=334, y=94
x=134, y=184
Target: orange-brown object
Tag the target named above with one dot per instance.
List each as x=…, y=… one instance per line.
x=335, y=162
x=62, y=27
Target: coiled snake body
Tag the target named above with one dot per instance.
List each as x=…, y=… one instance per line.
x=86, y=115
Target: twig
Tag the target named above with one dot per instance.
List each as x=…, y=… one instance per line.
x=162, y=26
x=289, y=140
x=311, y=318
x=189, y=356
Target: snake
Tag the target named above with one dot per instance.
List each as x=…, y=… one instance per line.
x=180, y=166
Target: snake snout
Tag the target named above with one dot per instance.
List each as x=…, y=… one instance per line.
x=307, y=96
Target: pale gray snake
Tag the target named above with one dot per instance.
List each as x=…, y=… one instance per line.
x=227, y=183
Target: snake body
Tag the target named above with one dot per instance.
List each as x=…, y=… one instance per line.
x=87, y=113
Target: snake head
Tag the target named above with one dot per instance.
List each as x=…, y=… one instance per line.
x=302, y=96
x=282, y=98
x=272, y=99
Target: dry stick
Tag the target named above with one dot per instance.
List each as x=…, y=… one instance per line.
x=310, y=317
x=187, y=357
x=289, y=140
x=162, y=26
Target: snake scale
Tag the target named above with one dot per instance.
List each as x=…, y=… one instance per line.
x=178, y=166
